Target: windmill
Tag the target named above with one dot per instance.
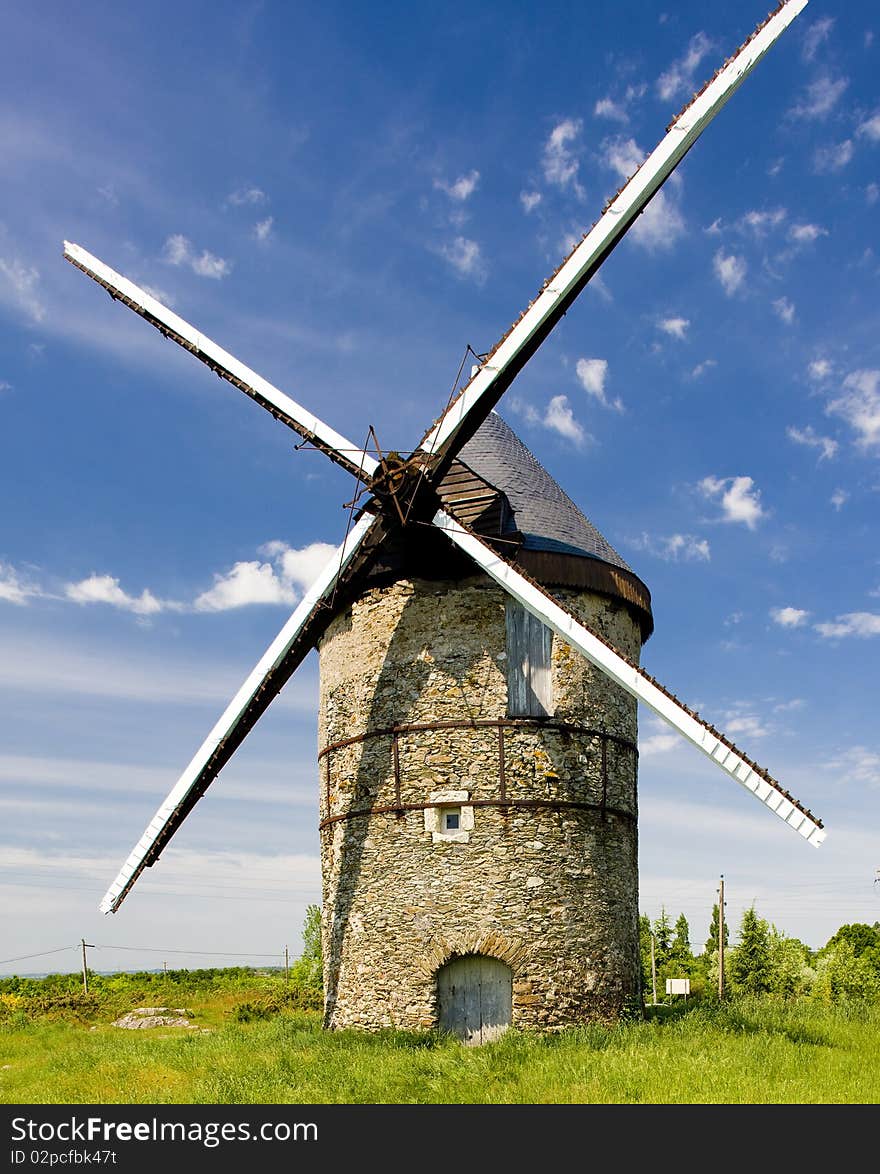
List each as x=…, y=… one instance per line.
x=479, y=644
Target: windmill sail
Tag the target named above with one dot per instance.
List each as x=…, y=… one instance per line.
x=482, y=393
x=635, y=681
x=281, y=406
x=281, y=659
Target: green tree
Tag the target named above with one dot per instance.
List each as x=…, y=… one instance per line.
x=789, y=959
x=308, y=968
x=844, y=976
x=645, y=956
x=711, y=946
x=662, y=937
x=864, y=939
x=680, y=950
x=749, y=968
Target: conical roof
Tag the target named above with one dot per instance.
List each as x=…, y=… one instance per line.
x=543, y=512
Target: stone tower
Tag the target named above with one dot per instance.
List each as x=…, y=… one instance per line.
x=478, y=778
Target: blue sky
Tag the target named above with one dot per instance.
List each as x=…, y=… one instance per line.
x=345, y=197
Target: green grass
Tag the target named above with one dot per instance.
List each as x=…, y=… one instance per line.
x=749, y=1052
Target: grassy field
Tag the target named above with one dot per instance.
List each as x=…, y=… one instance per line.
x=749, y=1052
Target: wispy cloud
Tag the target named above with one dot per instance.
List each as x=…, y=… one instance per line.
x=245, y=196
x=560, y=418
x=23, y=282
x=810, y=438
x=466, y=258
x=839, y=498
x=613, y=111
x=15, y=587
x=593, y=375
x=789, y=617
x=530, y=200
x=834, y=157
x=859, y=406
x=702, y=368
x=784, y=310
x=816, y=33
x=861, y=624
x=674, y=547
x=675, y=327
x=179, y=251
x=760, y=222
x=263, y=228
x=857, y=764
x=460, y=189
x=870, y=128
x=739, y=500
x=820, y=97
x=730, y=270
x=559, y=160
x=819, y=369
x=679, y=78
x=805, y=234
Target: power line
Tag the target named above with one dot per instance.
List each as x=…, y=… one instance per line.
x=42, y=954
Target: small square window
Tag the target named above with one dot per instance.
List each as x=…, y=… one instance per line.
x=452, y=820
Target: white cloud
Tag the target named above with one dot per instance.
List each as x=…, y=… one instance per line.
x=299, y=567
x=246, y=583
x=859, y=406
x=106, y=589
x=4, y=386
x=730, y=271
x=870, y=128
x=785, y=310
x=179, y=251
x=593, y=374
x=862, y=624
x=872, y=193
x=465, y=258
x=263, y=228
x=674, y=547
x=835, y=157
x=702, y=368
x=658, y=744
x=805, y=234
x=247, y=196
x=675, y=327
x=679, y=78
x=819, y=369
x=530, y=200
x=747, y=724
x=559, y=160
x=739, y=500
x=856, y=764
x=560, y=418
x=807, y=436
x=460, y=189
x=608, y=108
x=789, y=617
x=839, y=498
x=24, y=282
x=14, y=588
x=821, y=96
x=760, y=223
x=816, y=33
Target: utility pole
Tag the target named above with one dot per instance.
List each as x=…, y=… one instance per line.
x=721, y=938
x=85, y=945
x=653, y=971
x=286, y=965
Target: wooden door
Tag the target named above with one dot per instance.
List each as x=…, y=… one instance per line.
x=475, y=996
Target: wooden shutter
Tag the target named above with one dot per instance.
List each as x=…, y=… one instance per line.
x=529, y=678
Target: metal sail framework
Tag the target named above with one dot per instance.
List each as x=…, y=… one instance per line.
x=404, y=491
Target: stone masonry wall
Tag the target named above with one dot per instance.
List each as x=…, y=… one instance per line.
x=552, y=890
